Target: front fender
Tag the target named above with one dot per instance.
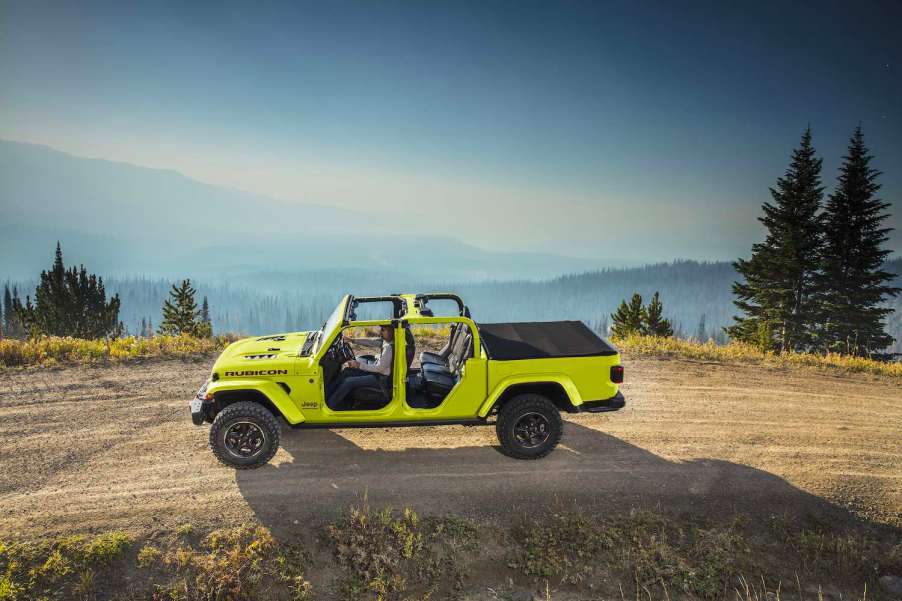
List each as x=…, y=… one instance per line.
x=553, y=378
x=271, y=390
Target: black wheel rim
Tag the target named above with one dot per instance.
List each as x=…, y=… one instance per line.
x=532, y=430
x=244, y=439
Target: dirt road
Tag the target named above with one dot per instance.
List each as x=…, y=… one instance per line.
x=90, y=449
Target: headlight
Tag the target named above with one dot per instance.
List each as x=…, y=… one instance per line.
x=202, y=393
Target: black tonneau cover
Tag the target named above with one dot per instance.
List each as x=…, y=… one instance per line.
x=542, y=340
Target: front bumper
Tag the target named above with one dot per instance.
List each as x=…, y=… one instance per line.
x=614, y=403
x=196, y=406
x=199, y=404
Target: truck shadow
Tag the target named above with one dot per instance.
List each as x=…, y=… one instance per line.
x=591, y=471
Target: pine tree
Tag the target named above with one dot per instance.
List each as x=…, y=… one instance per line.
x=6, y=312
x=69, y=302
x=143, y=327
x=852, y=283
x=15, y=324
x=180, y=314
x=629, y=318
x=777, y=291
x=655, y=324
x=204, y=328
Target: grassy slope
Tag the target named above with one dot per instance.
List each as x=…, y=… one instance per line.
x=388, y=554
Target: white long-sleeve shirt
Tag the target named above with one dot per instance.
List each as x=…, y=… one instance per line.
x=383, y=362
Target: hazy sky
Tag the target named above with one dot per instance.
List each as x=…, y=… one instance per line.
x=586, y=128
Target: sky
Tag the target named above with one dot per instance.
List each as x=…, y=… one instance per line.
x=635, y=130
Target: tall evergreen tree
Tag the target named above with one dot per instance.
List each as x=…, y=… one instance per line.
x=205, y=311
x=16, y=330
x=655, y=324
x=777, y=291
x=180, y=313
x=6, y=312
x=204, y=328
x=69, y=302
x=853, y=283
x=629, y=318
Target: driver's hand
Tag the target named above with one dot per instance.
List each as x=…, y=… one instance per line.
x=353, y=363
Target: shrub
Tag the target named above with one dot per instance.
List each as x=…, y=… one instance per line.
x=52, y=350
x=562, y=545
x=740, y=352
x=228, y=567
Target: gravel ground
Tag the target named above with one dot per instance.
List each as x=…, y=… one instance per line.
x=89, y=449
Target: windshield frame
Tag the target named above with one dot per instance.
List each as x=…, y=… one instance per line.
x=332, y=324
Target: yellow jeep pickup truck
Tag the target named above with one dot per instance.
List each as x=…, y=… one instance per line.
x=517, y=376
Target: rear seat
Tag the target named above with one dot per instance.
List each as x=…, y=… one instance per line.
x=438, y=380
x=441, y=357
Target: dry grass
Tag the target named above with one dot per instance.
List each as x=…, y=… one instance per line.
x=49, y=351
x=738, y=352
x=386, y=555
x=54, y=350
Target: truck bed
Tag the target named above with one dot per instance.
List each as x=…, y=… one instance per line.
x=542, y=340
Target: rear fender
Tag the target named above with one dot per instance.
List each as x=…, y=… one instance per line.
x=271, y=390
x=563, y=380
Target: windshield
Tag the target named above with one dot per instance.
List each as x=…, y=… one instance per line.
x=332, y=322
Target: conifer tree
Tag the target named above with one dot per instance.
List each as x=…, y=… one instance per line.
x=69, y=302
x=15, y=324
x=777, y=291
x=629, y=318
x=6, y=311
x=204, y=327
x=853, y=283
x=655, y=324
x=180, y=313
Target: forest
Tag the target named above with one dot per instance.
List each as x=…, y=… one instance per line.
x=696, y=295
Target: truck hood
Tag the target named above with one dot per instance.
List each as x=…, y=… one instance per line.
x=263, y=348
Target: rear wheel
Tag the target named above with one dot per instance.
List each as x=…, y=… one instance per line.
x=529, y=426
x=244, y=435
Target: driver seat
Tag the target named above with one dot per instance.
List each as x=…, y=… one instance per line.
x=379, y=395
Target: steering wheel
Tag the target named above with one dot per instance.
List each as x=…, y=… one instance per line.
x=341, y=352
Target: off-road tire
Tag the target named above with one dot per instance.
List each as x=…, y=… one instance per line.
x=236, y=415
x=525, y=407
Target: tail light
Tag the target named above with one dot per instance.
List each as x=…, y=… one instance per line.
x=617, y=374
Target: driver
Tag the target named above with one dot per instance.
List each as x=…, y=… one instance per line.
x=364, y=373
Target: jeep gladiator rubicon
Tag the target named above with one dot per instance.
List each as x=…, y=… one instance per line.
x=517, y=376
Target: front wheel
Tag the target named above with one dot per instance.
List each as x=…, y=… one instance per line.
x=244, y=435
x=529, y=426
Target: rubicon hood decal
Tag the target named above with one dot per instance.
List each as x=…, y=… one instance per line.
x=260, y=372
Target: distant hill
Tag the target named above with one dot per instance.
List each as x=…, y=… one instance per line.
x=125, y=219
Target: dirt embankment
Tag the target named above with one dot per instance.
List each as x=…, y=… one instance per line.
x=92, y=449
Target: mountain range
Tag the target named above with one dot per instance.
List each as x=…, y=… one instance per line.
x=120, y=218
